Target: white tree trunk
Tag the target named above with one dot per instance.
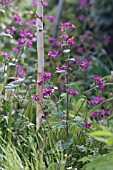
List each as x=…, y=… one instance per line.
x=40, y=51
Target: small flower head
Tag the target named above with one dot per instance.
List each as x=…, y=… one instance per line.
x=100, y=114
x=47, y=91
x=97, y=80
x=83, y=64
x=71, y=91
x=35, y=97
x=66, y=26
x=17, y=18
x=51, y=18
x=87, y=124
x=96, y=100
x=54, y=53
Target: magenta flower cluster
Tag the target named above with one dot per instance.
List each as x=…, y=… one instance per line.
x=98, y=80
x=66, y=26
x=66, y=68
x=5, y=54
x=100, y=114
x=45, y=76
x=96, y=100
x=72, y=91
x=26, y=38
x=54, y=53
x=44, y=3
x=17, y=19
x=50, y=18
x=87, y=124
x=35, y=97
x=10, y=31
x=47, y=91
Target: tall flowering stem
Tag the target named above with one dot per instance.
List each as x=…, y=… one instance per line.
x=40, y=51
x=67, y=99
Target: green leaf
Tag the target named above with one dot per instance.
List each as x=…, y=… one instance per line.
x=102, y=133
x=1, y=87
x=28, y=112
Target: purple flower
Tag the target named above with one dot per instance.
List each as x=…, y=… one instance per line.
x=81, y=17
x=97, y=80
x=71, y=41
x=54, y=53
x=9, y=2
x=100, y=114
x=96, y=100
x=87, y=124
x=51, y=18
x=34, y=2
x=93, y=45
x=31, y=22
x=64, y=36
x=45, y=3
x=29, y=43
x=5, y=54
x=66, y=68
x=19, y=68
x=67, y=26
x=71, y=91
x=80, y=50
x=7, y=31
x=17, y=18
x=35, y=97
x=101, y=85
x=57, y=43
x=51, y=39
x=83, y=1
x=83, y=64
x=107, y=38
x=16, y=49
x=47, y=91
x=46, y=76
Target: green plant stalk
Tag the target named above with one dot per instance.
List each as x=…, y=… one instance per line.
x=67, y=100
x=9, y=125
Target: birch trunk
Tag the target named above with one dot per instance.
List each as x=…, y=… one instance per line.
x=40, y=51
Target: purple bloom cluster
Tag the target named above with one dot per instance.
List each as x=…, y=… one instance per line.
x=50, y=18
x=87, y=124
x=71, y=91
x=107, y=37
x=10, y=31
x=54, y=53
x=66, y=68
x=35, y=97
x=84, y=4
x=66, y=26
x=5, y=54
x=47, y=91
x=17, y=19
x=83, y=64
x=99, y=114
x=31, y=22
x=81, y=17
x=97, y=80
x=20, y=71
x=34, y=3
x=96, y=100
x=26, y=38
x=71, y=41
x=44, y=77
x=53, y=41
